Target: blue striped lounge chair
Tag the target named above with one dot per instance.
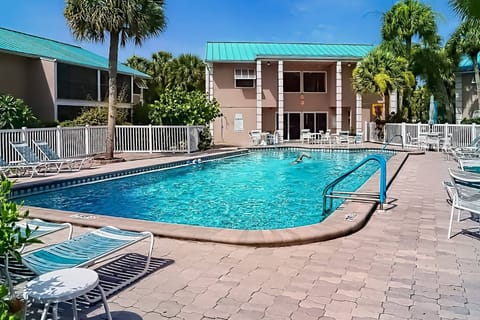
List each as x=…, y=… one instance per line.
x=51, y=155
x=87, y=249
x=30, y=158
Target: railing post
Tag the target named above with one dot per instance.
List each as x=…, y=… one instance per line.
x=473, y=132
x=446, y=131
x=188, y=139
x=24, y=134
x=366, y=136
x=404, y=134
x=419, y=129
x=87, y=139
x=58, y=134
x=150, y=138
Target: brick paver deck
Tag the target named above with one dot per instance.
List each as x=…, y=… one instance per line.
x=399, y=266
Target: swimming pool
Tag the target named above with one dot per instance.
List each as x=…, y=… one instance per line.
x=259, y=190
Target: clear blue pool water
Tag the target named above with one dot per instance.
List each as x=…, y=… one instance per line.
x=260, y=190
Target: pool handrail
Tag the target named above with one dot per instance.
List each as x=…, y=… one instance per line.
x=328, y=192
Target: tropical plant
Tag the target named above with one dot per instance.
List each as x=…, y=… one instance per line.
x=188, y=73
x=466, y=41
x=14, y=113
x=382, y=73
x=185, y=72
x=121, y=20
x=177, y=107
x=12, y=240
x=467, y=9
x=409, y=19
x=95, y=116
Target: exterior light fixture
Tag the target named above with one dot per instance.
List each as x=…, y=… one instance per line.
x=302, y=99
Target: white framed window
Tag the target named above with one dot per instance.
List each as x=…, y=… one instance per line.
x=291, y=81
x=314, y=82
x=245, y=78
x=305, y=81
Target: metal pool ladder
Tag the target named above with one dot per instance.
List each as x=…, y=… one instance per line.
x=329, y=193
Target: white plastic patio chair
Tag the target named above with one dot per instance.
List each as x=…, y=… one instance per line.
x=305, y=135
x=464, y=192
x=255, y=137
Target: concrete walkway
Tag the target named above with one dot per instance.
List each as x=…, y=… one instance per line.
x=399, y=266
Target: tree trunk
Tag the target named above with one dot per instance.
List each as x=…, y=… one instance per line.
x=469, y=112
x=112, y=95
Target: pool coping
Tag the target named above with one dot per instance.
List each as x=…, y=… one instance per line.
x=348, y=218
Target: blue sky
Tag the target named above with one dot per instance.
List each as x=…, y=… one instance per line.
x=191, y=23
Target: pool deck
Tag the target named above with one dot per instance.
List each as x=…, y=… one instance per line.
x=400, y=265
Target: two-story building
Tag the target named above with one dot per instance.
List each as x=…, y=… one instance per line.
x=286, y=87
x=466, y=91
x=57, y=80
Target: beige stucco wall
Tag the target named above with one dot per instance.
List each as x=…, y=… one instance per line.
x=243, y=100
x=30, y=79
x=469, y=95
x=41, y=95
x=14, y=75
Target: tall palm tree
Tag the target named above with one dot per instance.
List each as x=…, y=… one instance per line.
x=409, y=19
x=122, y=21
x=467, y=9
x=466, y=41
x=382, y=73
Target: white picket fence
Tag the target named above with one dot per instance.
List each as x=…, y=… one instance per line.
x=398, y=133
x=80, y=141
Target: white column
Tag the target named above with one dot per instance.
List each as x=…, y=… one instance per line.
x=280, y=98
x=458, y=98
x=99, y=86
x=259, y=95
x=207, y=80
x=358, y=112
x=338, y=115
x=393, y=103
x=210, y=80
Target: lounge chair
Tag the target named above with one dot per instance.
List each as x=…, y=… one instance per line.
x=42, y=228
x=85, y=250
x=30, y=158
x=19, y=168
x=51, y=155
x=464, y=192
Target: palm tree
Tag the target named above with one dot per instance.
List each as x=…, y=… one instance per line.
x=467, y=9
x=189, y=72
x=409, y=19
x=466, y=41
x=122, y=21
x=381, y=72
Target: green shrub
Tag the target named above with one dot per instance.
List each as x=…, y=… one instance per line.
x=95, y=116
x=205, y=139
x=15, y=113
x=140, y=114
x=178, y=107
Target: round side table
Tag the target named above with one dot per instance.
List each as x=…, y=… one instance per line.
x=62, y=285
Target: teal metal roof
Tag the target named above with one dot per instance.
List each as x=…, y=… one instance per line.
x=250, y=51
x=29, y=45
x=466, y=64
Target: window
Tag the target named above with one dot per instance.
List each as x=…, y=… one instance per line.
x=314, y=82
x=123, y=87
x=291, y=81
x=244, y=78
x=75, y=82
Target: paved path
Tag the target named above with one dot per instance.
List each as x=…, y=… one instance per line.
x=400, y=266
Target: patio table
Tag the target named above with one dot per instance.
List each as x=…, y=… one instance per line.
x=62, y=285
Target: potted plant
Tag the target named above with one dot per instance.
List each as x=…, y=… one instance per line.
x=12, y=240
